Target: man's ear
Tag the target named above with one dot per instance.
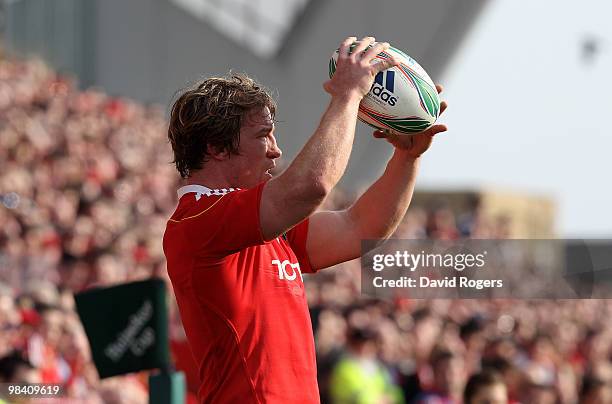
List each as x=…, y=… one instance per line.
x=217, y=153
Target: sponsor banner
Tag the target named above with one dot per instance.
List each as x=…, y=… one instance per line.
x=127, y=326
x=524, y=269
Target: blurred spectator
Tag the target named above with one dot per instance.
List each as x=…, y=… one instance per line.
x=510, y=374
x=427, y=327
x=359, y=377
x=595, y=391
x=472, y=333
x=540, y=394
x=448, y=379
x=485, y=388
x=15, y=369
x=441, y=224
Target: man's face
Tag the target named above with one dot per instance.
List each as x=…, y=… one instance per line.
x=257, y=151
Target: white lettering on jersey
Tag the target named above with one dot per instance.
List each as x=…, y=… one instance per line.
x=282, y=270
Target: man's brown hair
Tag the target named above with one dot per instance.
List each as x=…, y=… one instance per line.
x=210, y=114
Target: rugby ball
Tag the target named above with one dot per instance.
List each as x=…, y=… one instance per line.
x=403, y=99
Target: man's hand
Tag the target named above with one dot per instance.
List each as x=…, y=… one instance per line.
x=355, y=71
x=415, y=145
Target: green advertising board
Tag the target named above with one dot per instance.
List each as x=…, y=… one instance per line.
x=127, y=326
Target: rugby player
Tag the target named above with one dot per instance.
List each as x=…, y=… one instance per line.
x=239, y=240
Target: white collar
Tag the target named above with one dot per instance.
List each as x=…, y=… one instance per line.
x=200, y=190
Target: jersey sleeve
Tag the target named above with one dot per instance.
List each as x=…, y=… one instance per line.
x=231, y=223
x=296, y=237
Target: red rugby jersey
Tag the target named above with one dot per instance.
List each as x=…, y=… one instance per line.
x=241, y=299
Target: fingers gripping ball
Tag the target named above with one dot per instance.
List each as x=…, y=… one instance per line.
x=402, y=99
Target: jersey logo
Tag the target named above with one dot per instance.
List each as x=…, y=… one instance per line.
x=282, y=270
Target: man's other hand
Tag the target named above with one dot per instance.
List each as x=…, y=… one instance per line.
x=417, y=144
x=355, y=71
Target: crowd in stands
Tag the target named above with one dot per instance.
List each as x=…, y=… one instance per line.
x=86, y=187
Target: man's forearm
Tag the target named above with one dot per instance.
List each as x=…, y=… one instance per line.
x=378, y=212
x=323, y=160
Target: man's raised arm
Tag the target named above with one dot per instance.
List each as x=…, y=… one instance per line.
x=378, y=212
x=302, y=187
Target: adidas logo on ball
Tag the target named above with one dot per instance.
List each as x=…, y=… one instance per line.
x=389, y=83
